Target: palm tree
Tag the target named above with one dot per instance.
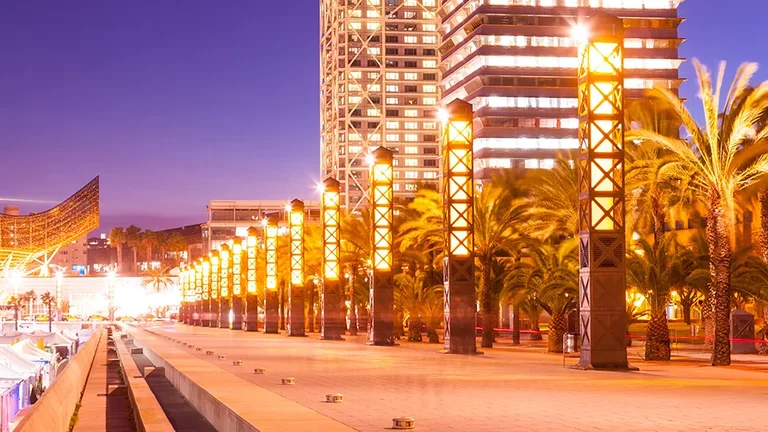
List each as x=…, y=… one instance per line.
x=30, y=298
x=177, y=243
x=48, y=300
x=554, y=200
x=718, y=168
x=547, y=276
x=157, y=278
x=355, y=255
x=409, y=298
x=117, y=238
x=133, y=239
x=16, y=302
x=148, y=240
x=163, y=243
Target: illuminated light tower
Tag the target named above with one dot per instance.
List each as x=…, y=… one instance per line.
x=215, y=275
x=59, y=283
x=206, y=290
x=251, y=295
x=331, y=313
x=458, y=227
x=381, y=285
x=236, y=302
x=198, y=317
x=225, y=278
x=296, y=288
x=602, y=283
x=183, y=287
x=270, y=315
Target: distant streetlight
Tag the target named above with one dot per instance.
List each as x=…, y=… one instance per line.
x=271, y=315
x=206, y=291
x=251, y=296
x=236, y=323
x=296, y=288
x=225, y=278
x=332, y=323
x=215, y=275
x=381, y=284
x=198, y=314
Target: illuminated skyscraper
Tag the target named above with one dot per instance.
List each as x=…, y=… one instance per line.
x=515, y=62
x=379, y=81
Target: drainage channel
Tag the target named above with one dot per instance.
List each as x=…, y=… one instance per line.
x=119, y=415
x=182, y=415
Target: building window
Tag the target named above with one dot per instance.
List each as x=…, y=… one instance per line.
x=391, y=39
x=409, y=15
x=393, y=88
x=411, y=162
x=430, y=150
x=373, y=75
x=409, y=187
x=430, y=77
x=411, y=175
x=374, y=137
x=391, y=51
x=372, y=63
x=430, y=125
x=411, y=125
x=392, y=124
x=410, y=39
x=410, y=76
x=410, y=64
x=374, y=87
x=354, y=100
x=429, y=101
x=430, y=175
x=374, y=51
x=431, y=64
x=428, y=28
x=411, y=89
x=372, y=26
x=393, y=137
x=431, y=163
x=392, y=101
x=373, y=125
x=396, y=187
x=429, y=39
x=355, y=25
x=430, y=138
x=410, y=51
x=356, y=75
x=373, y=112
x=391, y=63
x=372, y=13
x=411, y=150
x=392, y=75
x=411, y=138
x=393, y=113
x=409, y=27
x=411, y=113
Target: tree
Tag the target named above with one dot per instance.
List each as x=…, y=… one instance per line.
x=16, y=302
x=157, y=278
x=65, y=307
x=48, y=301
x=117, y=239
x=133, y=239
x=554, y=201
x=163, y=243
x=718, y=168
x=355, y=255
x=29, y=298
x=177, y=243
x=148, y=241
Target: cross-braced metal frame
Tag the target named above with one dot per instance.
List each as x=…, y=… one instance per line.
x=381, y=285
x=35, y=239
x=225, y=283
x=296, y=288
x=197, y=319
x=236, y=300
x=602, y=280
x=332, y=320
x=270, y=250
x=251, y=295
x=184, y=282
x=215, y=275
x=458, y=224
x=355, y=86
x=206, y=300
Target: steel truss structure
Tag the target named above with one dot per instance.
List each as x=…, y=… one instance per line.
x=35, y=239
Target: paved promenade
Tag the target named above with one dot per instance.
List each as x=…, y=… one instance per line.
x=505, y=389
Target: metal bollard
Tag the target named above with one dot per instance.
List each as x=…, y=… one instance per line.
x=209, y=352
x=222, y=357
x=199, y=349
x=190, y=346
x=334, y=398
x=403, y=423
x=237, y=363
x=259, y=371
x=289, y=381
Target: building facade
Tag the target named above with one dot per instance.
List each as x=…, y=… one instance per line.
x=515, y=61
x=72, y=258
x=227, y=219
x=379, y=77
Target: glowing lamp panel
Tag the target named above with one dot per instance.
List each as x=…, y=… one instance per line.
x=459, y=186
x=297, y=248
x=224, y=274
x=198, y=283
x=237, y=268
x=251, y=266
x=331, y=235
x=382, y=216
x=215, y=277
x=271, y=248
x=206, y=279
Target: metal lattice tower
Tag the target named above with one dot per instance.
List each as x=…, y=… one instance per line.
x=26, y=240
x=370, y=53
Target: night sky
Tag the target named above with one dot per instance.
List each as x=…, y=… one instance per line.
x=175, y=103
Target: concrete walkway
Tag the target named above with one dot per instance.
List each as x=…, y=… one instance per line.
x=504, y=389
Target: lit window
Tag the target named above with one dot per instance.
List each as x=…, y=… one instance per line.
x=410, y=39
x=411, y=113
x=396, y=187
x=570, y=123
x=356, y=75
x=429, y=101
x=373, y=112
x=428, y=14
x=356, y=13
x=355, y=25
x=430, y=125
x=428, y=3
x=355, y=149
x=409, y=2
x=411, y=138
x=430, y=174
x=372, y=75
x=429, y=64
x=428, y=88
x=411, y=76
x=411, y=175
x=547, y=163
x=354, y=99
x=428, y=27
x=375, y=51
x=396, y=162
x=531, y=163
x=393, y=137
x=393, y=125
x=411, y=150
x=548, y=123
x=374, y=137
x=392, y=75
x=410, y=187
x=374, y=87
x=411, y=162
x=411, y=125
x=429, y=39
x=372, y=26
x=354, y=87
x=392, y=88
x=372, y=13
x=354, y=137
x=392, y=101
x=410, y=14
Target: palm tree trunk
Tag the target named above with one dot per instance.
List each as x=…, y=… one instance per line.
x=763, y=197
x=657, y=337
x=557, y=328
x=657, y=213
x=50, y=321
x=486, y=301
x=686, y=312
x=135, y=259
x=352, y=308
x=720, y=272
x=119, y=258
x=535, y=331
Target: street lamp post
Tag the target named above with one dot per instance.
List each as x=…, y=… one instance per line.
x=215, y=275
x=251, y=296
x=270, y=247
x=331, y=309
x=296, y=288
x=236, y=323
x=206, y=290
x=225, y=279
x=458, y=226
x=602, y=280
x=198, y=315
x=381, y=285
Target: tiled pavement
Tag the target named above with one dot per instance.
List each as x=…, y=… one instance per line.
x=504, y=389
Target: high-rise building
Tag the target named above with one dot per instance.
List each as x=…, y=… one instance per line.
x=379, y=77
x=515, y=61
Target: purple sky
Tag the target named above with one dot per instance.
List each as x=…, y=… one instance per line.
x=175, y=103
